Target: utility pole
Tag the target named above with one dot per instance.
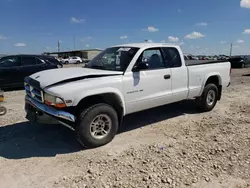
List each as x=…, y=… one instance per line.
x=58, y=46
x=74, y=42
x=231, y=48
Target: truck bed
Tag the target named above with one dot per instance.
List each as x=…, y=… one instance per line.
x=202, y=62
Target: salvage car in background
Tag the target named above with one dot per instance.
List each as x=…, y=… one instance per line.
x=72, y=60
x=14, y=68
x=239, y=62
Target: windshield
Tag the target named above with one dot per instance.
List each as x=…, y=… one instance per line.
x=114, y=59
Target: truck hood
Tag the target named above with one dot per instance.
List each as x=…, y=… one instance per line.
x=64, y=75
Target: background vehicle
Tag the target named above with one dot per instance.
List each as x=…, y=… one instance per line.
x=239, y=62
x=13, y=69
x=119, y=81
x=72, y=60
x=51, y=59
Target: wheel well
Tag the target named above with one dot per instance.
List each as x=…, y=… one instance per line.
x=109, y=98
x=215, y=80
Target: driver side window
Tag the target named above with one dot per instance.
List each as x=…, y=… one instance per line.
x=153, y=57
x=8, y=62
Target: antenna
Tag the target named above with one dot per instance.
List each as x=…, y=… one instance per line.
x=231, y=48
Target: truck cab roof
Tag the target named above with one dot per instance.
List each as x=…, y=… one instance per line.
x=146, y=45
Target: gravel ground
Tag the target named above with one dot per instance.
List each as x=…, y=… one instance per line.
x=170, y=146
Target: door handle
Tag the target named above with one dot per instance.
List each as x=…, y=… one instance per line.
x=167, y=76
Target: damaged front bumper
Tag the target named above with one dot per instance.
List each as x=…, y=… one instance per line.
x=41, y=113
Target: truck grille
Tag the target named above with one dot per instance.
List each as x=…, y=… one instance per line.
x=33, y=92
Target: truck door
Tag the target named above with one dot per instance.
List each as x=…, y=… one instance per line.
x=148, y=88
x=179, y=78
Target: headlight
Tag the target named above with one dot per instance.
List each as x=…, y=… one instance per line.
x=54, y=101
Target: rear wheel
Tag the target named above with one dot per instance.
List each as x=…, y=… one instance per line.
x=207, y=101
x=97, y=125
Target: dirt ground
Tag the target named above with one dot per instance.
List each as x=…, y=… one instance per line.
x=170, y=146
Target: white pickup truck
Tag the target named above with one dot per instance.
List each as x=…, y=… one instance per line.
x=121, y=80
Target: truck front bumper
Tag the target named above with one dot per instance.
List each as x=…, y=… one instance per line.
x=41, y=113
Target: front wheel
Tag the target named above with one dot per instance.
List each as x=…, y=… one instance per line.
x=97, y=125
x=209, y=98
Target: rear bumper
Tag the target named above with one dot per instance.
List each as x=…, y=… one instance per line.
x=41, y=113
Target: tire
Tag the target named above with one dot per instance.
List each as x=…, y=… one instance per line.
x=3, y=110
x=203, y=102
x=66, y=62
x=78, y=62
x=85, y=132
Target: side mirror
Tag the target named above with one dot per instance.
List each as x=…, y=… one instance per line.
x=140, y=66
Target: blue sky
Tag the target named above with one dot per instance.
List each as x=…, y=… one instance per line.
x=199, y=26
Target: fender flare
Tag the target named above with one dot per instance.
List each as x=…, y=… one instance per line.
x=217, y=74
x=100, y=91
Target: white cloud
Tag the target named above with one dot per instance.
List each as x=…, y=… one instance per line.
x=2, y=37
x=181, y=43
x=20, y=44
x=194, y=35
x=236, y=46
x=87, y=45
x=179, y=10
x=247, y=31
x=151, y=29
x=245, y=3
x=86, y=38
x=177, y=42
x=123, y=37
x=76, y=20
x=223, y=42
x=173, y=39
x=240, y=41
x=202, y=24
x=47, y=48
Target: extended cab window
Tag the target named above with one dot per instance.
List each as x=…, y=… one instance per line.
x=153, y=57
x=172, y=57
x=11, y=61
x=28, y=60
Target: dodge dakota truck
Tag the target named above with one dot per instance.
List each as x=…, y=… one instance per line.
x=121, y=80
